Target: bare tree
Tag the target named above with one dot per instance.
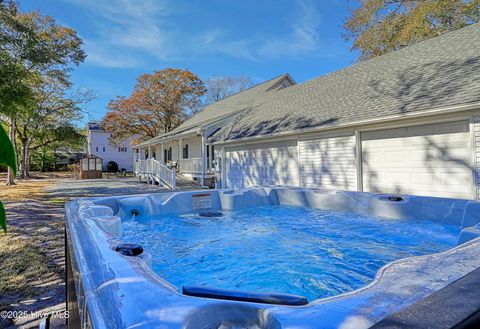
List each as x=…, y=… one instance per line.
x=220, y=87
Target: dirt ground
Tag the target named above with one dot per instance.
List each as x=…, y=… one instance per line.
x=32, y=266
x=32, y=258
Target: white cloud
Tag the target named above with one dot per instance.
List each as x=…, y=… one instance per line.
x=125, y=30
x=303, y=38
x=106, y=57
x=129, y=29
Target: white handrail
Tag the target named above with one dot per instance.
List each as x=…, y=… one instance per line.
x=155, y=170
x=191, y=165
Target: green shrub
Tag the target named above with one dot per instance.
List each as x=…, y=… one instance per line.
x=112, y=167
x=7, y=159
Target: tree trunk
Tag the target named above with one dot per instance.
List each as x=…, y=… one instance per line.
x=23, y=158
x=42, y=164
x=27, y=157
x=10, y=176
x=25, y=143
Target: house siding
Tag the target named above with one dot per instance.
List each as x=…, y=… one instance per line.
x=194, y=147
x=98, y=139
x=336, y=160
x=262, y=164
x=328, y=163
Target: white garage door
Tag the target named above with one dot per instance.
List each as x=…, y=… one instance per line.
x=328, y=163
x=262, y=165
x=433, y=160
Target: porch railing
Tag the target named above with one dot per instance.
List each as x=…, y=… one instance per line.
x=156, y=171
x=191, y=165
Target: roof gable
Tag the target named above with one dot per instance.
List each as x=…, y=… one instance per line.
x=234, y=103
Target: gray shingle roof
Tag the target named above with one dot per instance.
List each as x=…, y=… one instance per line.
x=439, y=72
x=223, y=108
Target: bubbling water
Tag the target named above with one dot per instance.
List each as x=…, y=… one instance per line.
x=309, y=252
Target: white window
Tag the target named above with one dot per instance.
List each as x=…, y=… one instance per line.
x=122, y=149
x=96, y=148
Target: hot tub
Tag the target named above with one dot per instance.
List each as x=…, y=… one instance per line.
x=271, y=257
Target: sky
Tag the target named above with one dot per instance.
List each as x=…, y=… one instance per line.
x=260, y=39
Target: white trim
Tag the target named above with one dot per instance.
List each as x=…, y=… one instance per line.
x=224, y=168
x=151, y=141
x=203, y=156
x=358, y=160
x=428, y=121
x=300, y=183
x=328, y=134
x=409, y=115
x=195, y=130
x=339, y=132
x=286, y=76
x=474, y=156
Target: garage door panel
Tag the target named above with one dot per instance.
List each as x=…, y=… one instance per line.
x=425, y=177
x=422, y=157
x=442, y=179
x=425, y=142
x=401, y=161
x=328, y=163
x=419, y=132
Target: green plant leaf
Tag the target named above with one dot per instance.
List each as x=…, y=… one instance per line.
x=3, y=218
x=7, y=154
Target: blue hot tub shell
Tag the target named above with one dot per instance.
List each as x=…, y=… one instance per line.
x=117, y=291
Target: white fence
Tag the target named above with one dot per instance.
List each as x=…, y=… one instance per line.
x=191, y=165
x=155, y=171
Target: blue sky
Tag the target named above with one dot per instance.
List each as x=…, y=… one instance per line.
x=260, y=39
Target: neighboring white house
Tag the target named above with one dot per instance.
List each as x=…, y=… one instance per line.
x=99, y=145
x=406, y=122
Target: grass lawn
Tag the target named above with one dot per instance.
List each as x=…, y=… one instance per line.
x=31, y=253
x=21, y=260
x=22, y=264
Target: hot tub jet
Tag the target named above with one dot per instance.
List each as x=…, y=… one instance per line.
x=134, y=213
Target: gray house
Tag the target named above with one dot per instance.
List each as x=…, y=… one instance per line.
x=406, y=122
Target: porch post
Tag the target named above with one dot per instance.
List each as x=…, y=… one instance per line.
x=158, y=153
x=161, y=154
x=134, y=161
x=223, y=168
x=204, y=159
x=180, y=153
x=149, y=151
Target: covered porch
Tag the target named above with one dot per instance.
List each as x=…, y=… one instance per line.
x=186, y=155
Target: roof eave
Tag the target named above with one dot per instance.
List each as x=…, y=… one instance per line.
x=439, y=110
